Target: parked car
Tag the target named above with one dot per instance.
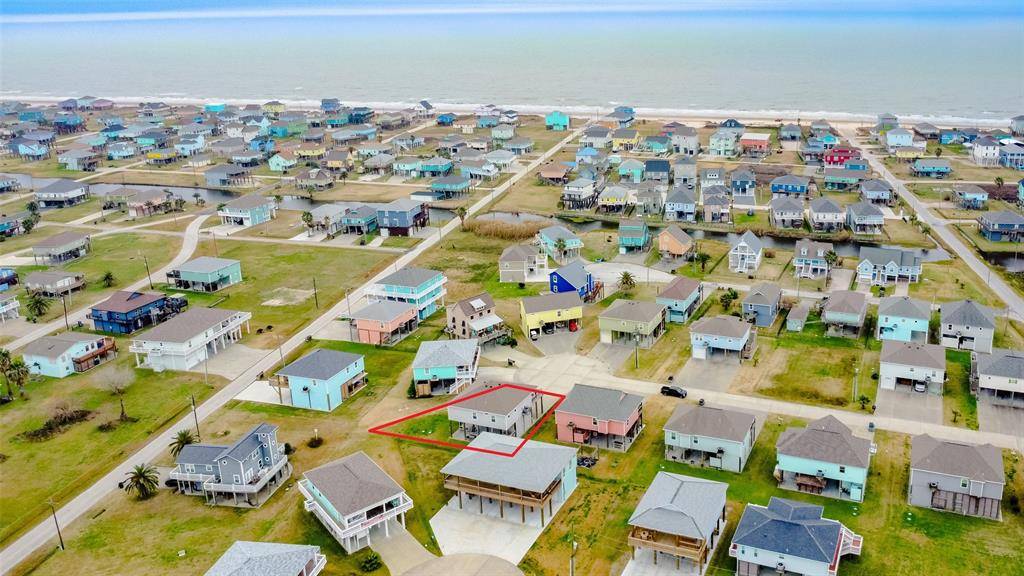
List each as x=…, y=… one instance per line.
x=920, y=387
x=674, y=391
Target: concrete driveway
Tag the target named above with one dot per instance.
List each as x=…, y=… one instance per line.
x=561, y=342
x=1000, y=419
x=715, y=373
x=399, y=550
x=614, y=355
x=469, y=532
x=230, y=363
x=643, y=565
x=917, y=406
x=464, y=565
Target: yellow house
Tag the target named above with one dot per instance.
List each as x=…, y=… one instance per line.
x=273, y=107
x=311, y=150
x=563, y=309
x=161, y=156
x=625, y=139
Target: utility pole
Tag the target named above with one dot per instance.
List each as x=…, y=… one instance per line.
x=856, y=370
x=316, y=300
x=214, y=236
x=53, y=510
x=195, y=416
x=572, y=553
x=64, y=301
x=148, y=275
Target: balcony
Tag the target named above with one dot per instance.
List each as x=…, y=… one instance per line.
x=668, y=543
x=342, y=530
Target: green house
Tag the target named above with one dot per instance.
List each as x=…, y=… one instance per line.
x=634, y=235
x=206, y=274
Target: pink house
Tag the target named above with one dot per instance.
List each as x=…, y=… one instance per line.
x=384, y=323
x=601, y=417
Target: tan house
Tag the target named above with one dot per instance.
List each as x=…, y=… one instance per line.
x=673, y=242
x=474, y=317
x=519, y=262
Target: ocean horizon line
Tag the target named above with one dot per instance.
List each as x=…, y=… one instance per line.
x=595, y=110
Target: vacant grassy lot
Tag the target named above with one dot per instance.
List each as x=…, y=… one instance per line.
x=47, y=168
x=905, y=234
x=70, y=461
x=717, y=251
x=600, y=245
x=277, y=284
x=663, y=359
x=288, y=224
x=529, y=195
x=952, y=280
x=63, y=215
x=957, y=395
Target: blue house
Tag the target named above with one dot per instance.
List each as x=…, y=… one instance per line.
x=360, y=115
x=634, y=235
x=950, y=136
x=632, y=170
x=330, y=105
x=658, y=170
x=436, y=166
x=557, y=121
x=215, y=107
x=742, y=182
x=322, y=379
x=762, y=303
x=572, y=277
x=449, y=185
x=931, y=167
x=680, y=298
x=264, y=144
x=66, y=353
x=488, y=121
x=127, y=311
x=31, y=115
x=1001, y=226
x=658, y=144
x=790, y=184
x=248, y=210
x=549, y=241
x=446, y=119
x=903, y=319
x=970, y=196
x=402, y=216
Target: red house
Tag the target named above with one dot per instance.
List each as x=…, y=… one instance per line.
x=754, y=143
x=601, y=417
x=839, y=155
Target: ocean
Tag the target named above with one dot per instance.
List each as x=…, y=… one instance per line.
x=948, y=67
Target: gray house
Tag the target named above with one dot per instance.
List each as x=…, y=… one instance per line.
x=61, y=248
x=967, y=325
x=949, y=476
x=762, y=303
x=269, y=559
x=245, y=474
x=786, y=212
x=998, y=378
x=707, y=436
x=504, y=409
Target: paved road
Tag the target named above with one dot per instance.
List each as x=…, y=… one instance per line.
x=188, y=246
x=44, y=531
x=1014, y=302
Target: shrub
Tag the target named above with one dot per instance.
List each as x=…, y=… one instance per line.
x=371, y=562
x=504, y=230
x=288, y=449
x=315, y=442
x=411, y=390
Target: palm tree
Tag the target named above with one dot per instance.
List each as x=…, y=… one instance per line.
x=560, y=248
x=461, y=213
x=37, y=304
x=17, y=374
x=108, y=279
x=5, y=365
x=999, y=182
x=702, y=258
x=307, y=219
x=28, y=224
x=938, y=151
x=183, y=438
x=626, y=281
x=197, y=196
x=143, y=480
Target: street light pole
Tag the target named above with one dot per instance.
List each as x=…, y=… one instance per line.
x=64, y=301
x=53, y=510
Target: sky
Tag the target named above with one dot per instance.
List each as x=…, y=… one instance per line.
x=45, y=11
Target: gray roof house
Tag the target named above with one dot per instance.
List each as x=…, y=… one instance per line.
x=269, y=559
x=703, y=435
x=786, y=212
x=843, y=312
x=746, y=253
x=823, y=458
x=903, y=318
x=956, y=477
x=520, y=262
x=999, y=377
x=906, y=365
x=826, y=215
x=864, y=218
x=445, y=366
x=762, y=302
x=244, y=474
x=354, y=499
x=967, y=325
x=536, y=477
x=598, y=416
x=885, y=266
x=789, y=537
x=500, y=409
x=61, y=248
x=680, y=517
x=54, y=283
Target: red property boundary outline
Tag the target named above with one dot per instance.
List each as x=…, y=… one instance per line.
x=381, y=428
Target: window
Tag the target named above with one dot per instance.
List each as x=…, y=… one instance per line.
x=595, y=421
x=964, y=482
x=842, y=469
x=236, y=478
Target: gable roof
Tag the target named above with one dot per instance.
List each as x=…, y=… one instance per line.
x=410, y=277
x=519, y=253
x=786, y=204
x=721, y=325
x=320, y=364
x=128, y=300
x=553, y=301
x=263, y=559
x=1001, y=363
x=533, y=468
x=827, y=440
x=846, y=302
x=187, y=325
x=982, y=462
x=763, y=293
x=633, y=310
x=383, y=310
x=443, y=353
x=882, y=256
x=711, y=422
x=791, y=528
x=555, y=232
x=206, y=264
x=575, y=273
x=681, y=505
x=680, y=288
x=825, y=206
x=353, y=483
x=904, y=307
x=500, y=400
x=751, y=240
x=56, y=345
x=601, y=403
x=60, y=240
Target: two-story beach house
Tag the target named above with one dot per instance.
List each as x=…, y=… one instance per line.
x=722, y=335
x=998, y=378
x=632, y=323
x=548, y=313
x=912, y=366
x=761, y=304
x=703, y=435
x=68, y=353
x=521, y=263
x=746, y=253
x=498, y=409
x=60, y=248
x=206, y=274
x=127, y=311
x=445, y=366
x=602, y=417
x=421, y=287
x=956, y=477
x=886, y=266
x=248, y=210
x=474, y=317
x=903, y=319
x=189, y=338
x=402, y=217
x=811, y=258
x=680, y=297
x=560, y=244
x=967, y=325
x=321, y=380
x=823, y=458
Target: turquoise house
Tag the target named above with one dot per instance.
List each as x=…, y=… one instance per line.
x=420, y=286
x=445, y=366
x=322, y=379
x=279, y=163
x=680, y=298
x=436, y=166
x=215, y=107
x=66, y=353
x=549, y=238
x=557, y=121
x=903, y=319
x=449, y=185
x=634, y=235
x=206, y=274
x=631, y=170
x=824, y=458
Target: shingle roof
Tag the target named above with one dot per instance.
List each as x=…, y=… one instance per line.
x=534, y=467
x=442, y=353
x=786, y=204
x=320, y=364
x=62, y=186
x=763, y=293
x=127, y=300
x=633, y=311
x=263, y=559
x=826, y=440
x=54, y=346
x=206, y=264
x=410, y=277
x=1001, y=362
x=825, y=206
x=519, y=253
x=249, y=201
x=498, y=401
x=983, y=462
x=353, y=483
x=383, y=311
x=846, y=302
x=681, y=505
x=882, y=256
x=575, y=273
x=680, y=288
x=904, y=307
x=187, y=325
x=865, y=209
x=555, y=232
x=1004, y=217
x=47, y=277
x=710, y=422
x=59, y=240
x=728, y=326
x=791, y=528
x=751, y=240
x=678, y=234
x=554, y=301
x=913, y=354
x=601, y=403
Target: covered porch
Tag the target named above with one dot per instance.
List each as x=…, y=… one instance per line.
x=494, y=499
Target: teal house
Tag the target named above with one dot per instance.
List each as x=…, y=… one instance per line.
x=557, y=121
x=423, y=287
x=282, y=162
x=634, y=235
x=903, y=319
x=824, y=458
x=631, y=170
x=445, y=366
x=680, y=298
x=322, y=379
x=560, y=243
x=206, y=274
